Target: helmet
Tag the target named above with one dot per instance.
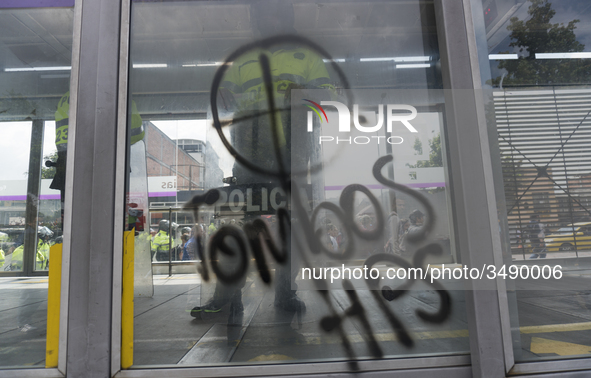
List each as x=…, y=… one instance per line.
x=415, y=215
x=44, y=233
x=186, y=230
x=163, y=225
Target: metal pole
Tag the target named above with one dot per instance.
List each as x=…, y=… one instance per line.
x=390, y=170
x=32, y=204
x=169, y=241
x=91, y=196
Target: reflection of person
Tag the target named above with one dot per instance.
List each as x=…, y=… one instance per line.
x=400, y=244
x=243, y=92
x=62, y=122
x=41, y=255
x=366, y=222
x=333, y=231
x=413, y=226
x=536, y=234
x=292, y=67
x=43, y=236
x=183, y=254
x=185, y=236
x=224, y=292
x=212, y=228
x=416, y=218
x=391, y=232
x=190, y=247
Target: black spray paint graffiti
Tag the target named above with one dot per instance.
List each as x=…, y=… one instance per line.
x=257, y=233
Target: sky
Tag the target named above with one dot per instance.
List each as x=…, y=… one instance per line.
x=15, y=146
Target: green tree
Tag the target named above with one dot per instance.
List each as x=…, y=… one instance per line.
x=539, y=35
x=418, y=146
x=435, y=158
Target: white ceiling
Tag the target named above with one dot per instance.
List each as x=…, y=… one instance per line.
x=185, y=32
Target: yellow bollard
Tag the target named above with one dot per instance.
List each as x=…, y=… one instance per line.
x=127, y=300
x=53, y=306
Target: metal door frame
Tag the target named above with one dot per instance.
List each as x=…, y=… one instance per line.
x=91, y=293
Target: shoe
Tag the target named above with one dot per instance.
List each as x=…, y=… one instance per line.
x=208, y=308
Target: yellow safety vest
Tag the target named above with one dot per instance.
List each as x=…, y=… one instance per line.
x=161, y=242
x=62, y=123
x=299, y=66
x=42, y=255
x=17, y=256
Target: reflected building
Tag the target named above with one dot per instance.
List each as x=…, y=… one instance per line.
x=544, y=159
x=580, y=199
x=166, y=157
x=210, y=175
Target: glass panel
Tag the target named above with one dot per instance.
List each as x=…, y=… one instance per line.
x=240, y=200
x=36, y=48
x=538, y=67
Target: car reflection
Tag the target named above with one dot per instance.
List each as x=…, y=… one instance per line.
x=574, y=236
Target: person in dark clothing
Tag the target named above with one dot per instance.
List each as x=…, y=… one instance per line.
x=536, y=234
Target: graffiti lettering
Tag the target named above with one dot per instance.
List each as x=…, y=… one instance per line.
x=295, y=220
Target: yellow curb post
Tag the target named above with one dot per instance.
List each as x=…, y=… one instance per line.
x=127, y=300
x=53, y=306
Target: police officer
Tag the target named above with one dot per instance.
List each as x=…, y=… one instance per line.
x=161, y=243
x=42, y=255
x=62, y=122
x=211, y=229
x=44, y=234
x=243, y=87
x=243, y=91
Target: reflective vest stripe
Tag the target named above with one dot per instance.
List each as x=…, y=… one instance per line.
x=230, y=86
x=63, y=122
x=137, y=130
